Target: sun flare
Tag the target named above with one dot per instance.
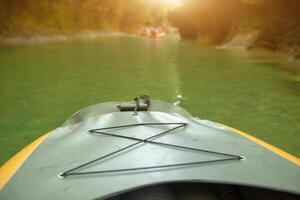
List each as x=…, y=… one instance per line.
x=174, y=3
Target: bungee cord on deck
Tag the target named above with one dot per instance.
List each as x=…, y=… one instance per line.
x=98, y=131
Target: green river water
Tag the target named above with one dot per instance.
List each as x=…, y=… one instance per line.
x=42, y=85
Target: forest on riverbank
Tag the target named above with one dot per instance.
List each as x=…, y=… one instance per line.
x=45, y=17
x=272, y=24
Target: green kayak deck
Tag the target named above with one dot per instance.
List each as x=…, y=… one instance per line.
x=101, y=152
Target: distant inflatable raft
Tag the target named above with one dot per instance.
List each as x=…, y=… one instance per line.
x=120, y=150
x=153, y=32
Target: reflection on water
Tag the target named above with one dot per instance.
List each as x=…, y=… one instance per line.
x=42, y=85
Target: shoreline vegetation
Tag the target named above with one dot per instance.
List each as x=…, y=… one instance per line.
x=242, y=24
x=46, y=18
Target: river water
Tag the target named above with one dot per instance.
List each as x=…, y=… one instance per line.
x=42, y=85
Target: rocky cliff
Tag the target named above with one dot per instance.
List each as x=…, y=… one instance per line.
x=272, y=24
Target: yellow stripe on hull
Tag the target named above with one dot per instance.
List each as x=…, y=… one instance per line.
x=12, y=165
x=270, y=147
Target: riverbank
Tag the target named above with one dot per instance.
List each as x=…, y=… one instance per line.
x=248, y=41
x=241, y=41
x=46, y=38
